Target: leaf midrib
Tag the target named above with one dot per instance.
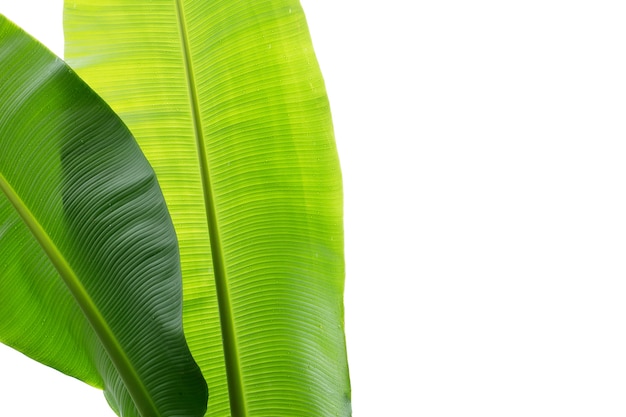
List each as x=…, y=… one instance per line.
x=134, y=384
x=229, y=340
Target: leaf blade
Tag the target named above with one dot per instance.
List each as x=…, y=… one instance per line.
x=87, y=174
x=275, y=187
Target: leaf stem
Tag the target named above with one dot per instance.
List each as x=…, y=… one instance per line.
x=132, y=381
x=229, y=339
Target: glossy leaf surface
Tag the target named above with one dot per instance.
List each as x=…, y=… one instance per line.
x=90, y=279
x=227, y=101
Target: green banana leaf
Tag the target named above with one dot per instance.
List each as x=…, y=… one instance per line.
x=227, y=101
x=90, y=280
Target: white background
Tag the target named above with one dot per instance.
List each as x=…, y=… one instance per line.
x=484, y=160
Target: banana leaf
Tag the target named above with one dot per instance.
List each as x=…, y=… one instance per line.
x=90, y=279
x=227, y=101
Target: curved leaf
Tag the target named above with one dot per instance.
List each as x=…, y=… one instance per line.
x=227, y=101
x=89, y=275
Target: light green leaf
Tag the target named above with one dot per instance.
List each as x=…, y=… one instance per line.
x=227, y=101
x=89, y=272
